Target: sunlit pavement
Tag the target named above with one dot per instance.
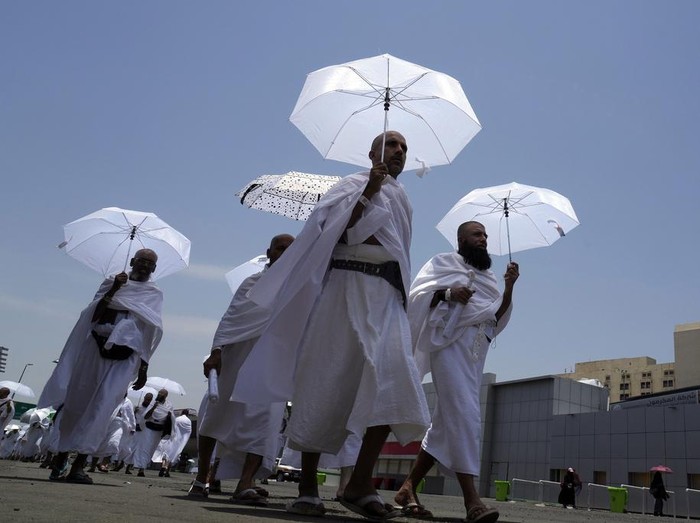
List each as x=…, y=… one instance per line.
x=26, y=494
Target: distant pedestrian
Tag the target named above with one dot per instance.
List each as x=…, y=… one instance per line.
x=570, y=486
x=658, y=490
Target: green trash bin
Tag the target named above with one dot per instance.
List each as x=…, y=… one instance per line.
x=320, y=478
x=502, y=490
x=618, y=499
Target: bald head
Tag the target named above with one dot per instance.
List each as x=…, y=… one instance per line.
x=4, y=392
x=143, y=264
x=395, y=150
x=278, y=245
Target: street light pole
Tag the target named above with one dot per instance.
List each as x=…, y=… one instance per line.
x=23, y=371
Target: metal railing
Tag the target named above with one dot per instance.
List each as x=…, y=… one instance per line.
x=527, y=482
x=591, y=487
x=539, y=485
x=688, y=492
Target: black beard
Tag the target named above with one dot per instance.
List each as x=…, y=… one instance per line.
x=476, y=257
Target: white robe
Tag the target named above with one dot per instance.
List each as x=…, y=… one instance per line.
x=454, y=350
x=109, y=445
x=346, y=457
x=90, y=386
x=9, y=440
x=147, y=443
x=7, y=412
x=241, y=428
x=352, y=309
x=139, y=413
x=29, y=446
x=128, y=421
x=171, y=449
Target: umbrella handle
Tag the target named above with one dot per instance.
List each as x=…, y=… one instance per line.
x=506, y=213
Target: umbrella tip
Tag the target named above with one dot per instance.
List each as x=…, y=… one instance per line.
x=62, y=244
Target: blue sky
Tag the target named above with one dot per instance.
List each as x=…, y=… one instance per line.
x=172, y=106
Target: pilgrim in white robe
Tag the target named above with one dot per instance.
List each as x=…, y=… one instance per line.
x=9, y=441
x=89, y=386
x=241, y=428
x=29, y=444
x=171, y=448
x=128, y=421
x=147, y=443
x=338, y=343
x=139, y=434
x=7, y=412
x=451, y=341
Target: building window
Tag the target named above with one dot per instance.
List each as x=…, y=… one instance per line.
x=668, y=372
x=646, y=374
x=645, y=385
x=600, y=477
x=624, y=386
x=668, y=383
x=624, y=396
x=646, y=393
x=607, y=377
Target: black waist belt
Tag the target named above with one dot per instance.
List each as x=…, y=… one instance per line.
x=389, y=271
x=116, y=352
x=155, y=426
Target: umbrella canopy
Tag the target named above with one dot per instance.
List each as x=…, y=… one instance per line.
x=106, y=240
x=661, y=468
x=36, y=415
x=293, y=194
x=342, y=107
x=516, y=217
x=235, y=276
x=164, y=383
x=136, y=396
x=17, y=389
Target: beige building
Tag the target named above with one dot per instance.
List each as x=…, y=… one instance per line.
x=628, y=377
x=686, y=344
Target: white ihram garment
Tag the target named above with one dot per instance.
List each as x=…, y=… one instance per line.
x=128, y=421
x=149, y=438
x=240, y=428
x=89, y=386
x=7, y=412
x=455, y=357
x=170, y=449
x=110, y=443
x=346, y=457
x=371, y=355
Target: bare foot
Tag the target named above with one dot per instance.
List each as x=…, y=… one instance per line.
x=404, y=496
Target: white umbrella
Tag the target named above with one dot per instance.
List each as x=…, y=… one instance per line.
x=235, y=276
x=34, y=414
x=164, y=383
x=17, y=388
x=107, y=239
x=293, y=194
x=12, y=426
x=342, y=107
x=516, y=217
x=136, y=396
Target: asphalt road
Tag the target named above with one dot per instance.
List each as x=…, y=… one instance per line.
x=27, y=495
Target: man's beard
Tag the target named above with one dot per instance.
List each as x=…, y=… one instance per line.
x=476, y=257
